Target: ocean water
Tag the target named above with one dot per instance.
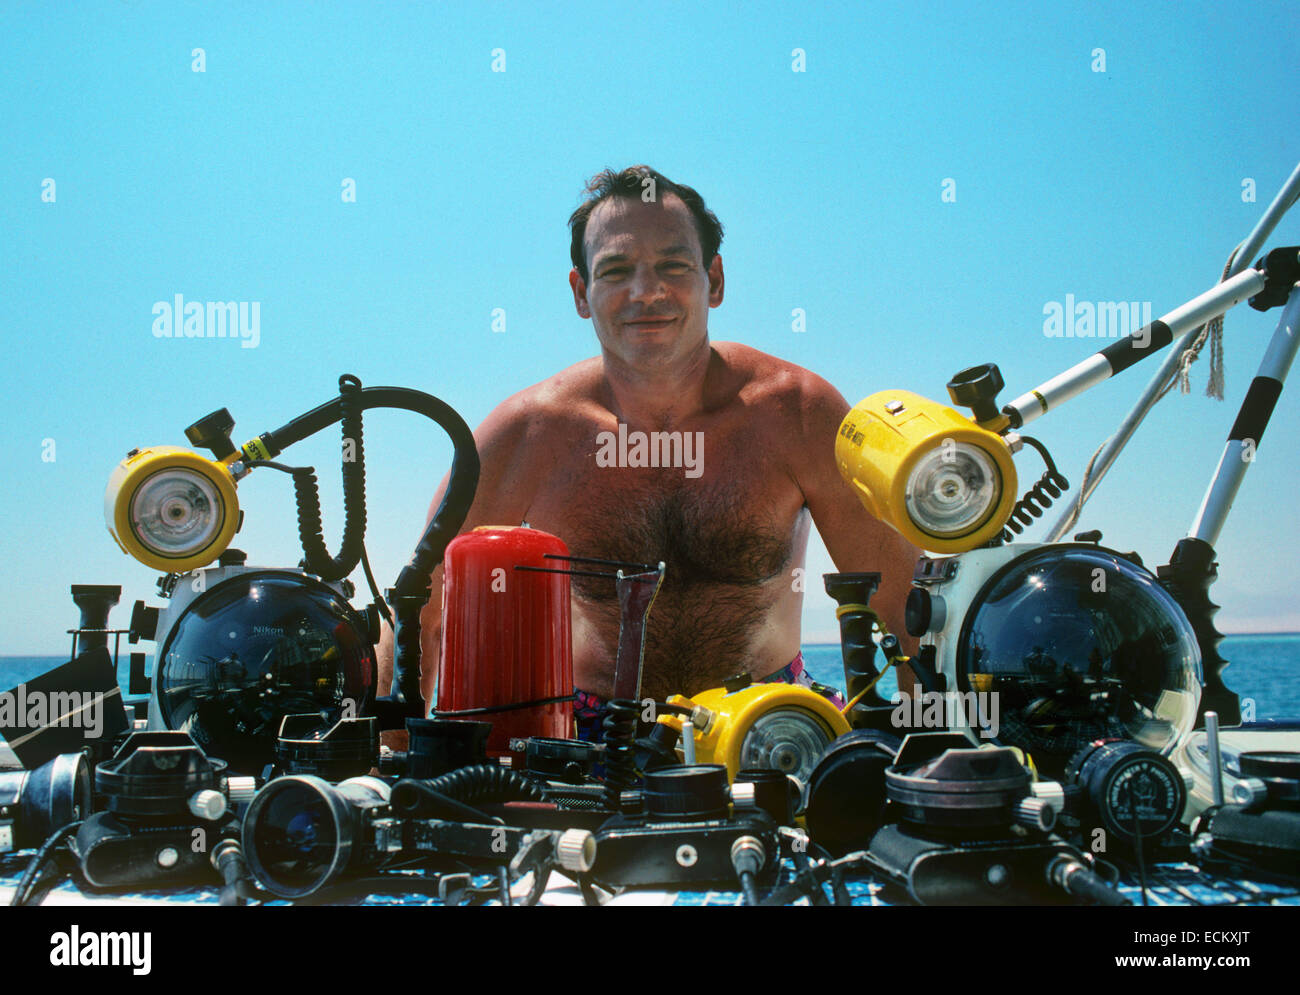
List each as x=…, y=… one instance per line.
x=1265, y=668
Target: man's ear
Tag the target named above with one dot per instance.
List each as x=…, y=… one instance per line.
x=579, y=293
x=716, y=281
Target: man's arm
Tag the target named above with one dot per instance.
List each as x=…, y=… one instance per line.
x=505, y=491
x=856, y=540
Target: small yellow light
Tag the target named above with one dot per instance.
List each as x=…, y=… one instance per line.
x=925, y=469
x=737, y=713
x=171, y=508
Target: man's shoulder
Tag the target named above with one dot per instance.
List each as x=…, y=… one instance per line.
x=554, y=401
x=768, y=379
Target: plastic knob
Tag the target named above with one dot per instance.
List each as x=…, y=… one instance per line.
x=1050, y=792
x=208, y=804
x=1036, y=813
x=576, y=850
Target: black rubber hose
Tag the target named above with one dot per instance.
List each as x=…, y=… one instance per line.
x=461, y=486
x=27, y=883
x=316, y=557
x=411, y=592
x=412, y=798
x=747, y=886
x=1073, y=877
x=469, y=785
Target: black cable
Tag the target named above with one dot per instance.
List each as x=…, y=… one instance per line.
x=412, y=586
x=804, y=866
x=418, y=799
x=377, y=884
x=488, y=783
x=1038, y=498
x=503, y=875
x=316, y=555
x=619, y=726
x=365, y=559
x=747, y=885
x=380, y=604
x=838, y=888
x=28, y=881
x=1137, y=852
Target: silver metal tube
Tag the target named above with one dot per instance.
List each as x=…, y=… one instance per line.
x=1053, y=393
x=1264, y=227
x=1216, y=761
x=1236, y=459
x=1096, y=368
x=1254, y=241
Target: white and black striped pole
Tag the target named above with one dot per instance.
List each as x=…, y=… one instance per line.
x=1155, y=389
x=1123, y=353
x=1248, y=429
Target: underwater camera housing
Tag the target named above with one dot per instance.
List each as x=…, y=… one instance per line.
x=970, y=827
x=168, y=806
x=301, y=834
x=746, y=725
x=34, y=803
x=1052, y=646
x=240, y=648
x=686, y=827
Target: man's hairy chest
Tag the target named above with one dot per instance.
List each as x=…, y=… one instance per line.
x=733, y=526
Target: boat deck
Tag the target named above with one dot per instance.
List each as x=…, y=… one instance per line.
x=1167, y=885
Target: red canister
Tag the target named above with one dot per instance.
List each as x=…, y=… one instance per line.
x=506, y=633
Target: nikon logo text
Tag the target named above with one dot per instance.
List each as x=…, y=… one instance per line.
x=77, y=949
x=181, y=319
x=682, y=449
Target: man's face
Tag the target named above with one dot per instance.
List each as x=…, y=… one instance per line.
x=648, y=293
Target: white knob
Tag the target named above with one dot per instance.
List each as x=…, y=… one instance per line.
x=576, y=850
x=208, y=804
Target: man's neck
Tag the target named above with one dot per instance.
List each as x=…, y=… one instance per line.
x=661, y=396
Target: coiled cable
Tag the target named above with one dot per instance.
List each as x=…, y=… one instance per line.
x=467, y=786
x=1038, y=498
x=316, y=557
x=620, y=748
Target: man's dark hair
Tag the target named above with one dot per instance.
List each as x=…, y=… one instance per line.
x=630, y=183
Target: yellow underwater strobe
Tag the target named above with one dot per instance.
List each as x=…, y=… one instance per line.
x=781, y=727
x=946, y=483
x=170, y=508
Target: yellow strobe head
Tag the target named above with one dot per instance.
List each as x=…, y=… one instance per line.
x=943, y=482
x=781, y=727
x=171, y=508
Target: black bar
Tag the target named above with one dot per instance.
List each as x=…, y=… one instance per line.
x=1256, y=410
x=1124, y=353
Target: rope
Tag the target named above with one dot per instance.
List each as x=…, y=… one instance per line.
x=1211, y=331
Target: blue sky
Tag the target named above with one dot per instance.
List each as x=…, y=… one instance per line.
x=1120, y=184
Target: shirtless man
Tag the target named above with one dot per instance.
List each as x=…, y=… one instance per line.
x=731, y=526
